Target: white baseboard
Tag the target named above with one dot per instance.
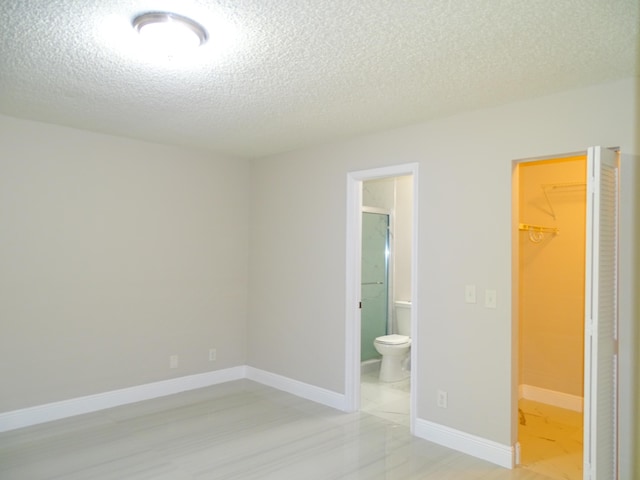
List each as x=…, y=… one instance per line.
x=503, y=455
x=92, y=403
x=551, y=397
x=295, y=387
x=499, y=454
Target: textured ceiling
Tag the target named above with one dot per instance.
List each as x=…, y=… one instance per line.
x=278, y=75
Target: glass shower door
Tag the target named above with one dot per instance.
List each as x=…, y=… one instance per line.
x=375, y=275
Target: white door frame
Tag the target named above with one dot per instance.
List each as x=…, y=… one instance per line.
x=353, y=280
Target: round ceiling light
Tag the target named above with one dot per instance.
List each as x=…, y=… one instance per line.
x=169, y=31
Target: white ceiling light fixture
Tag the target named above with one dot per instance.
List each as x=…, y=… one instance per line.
x=170, y=32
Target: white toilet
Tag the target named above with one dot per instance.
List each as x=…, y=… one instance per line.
x=395, y=348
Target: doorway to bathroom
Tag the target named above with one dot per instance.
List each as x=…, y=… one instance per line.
x=386, y=208
x=381, y=269
x=565, y=311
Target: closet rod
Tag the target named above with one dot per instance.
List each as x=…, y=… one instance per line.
x=538, y=228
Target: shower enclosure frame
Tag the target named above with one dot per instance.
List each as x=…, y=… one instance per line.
x=389, y=267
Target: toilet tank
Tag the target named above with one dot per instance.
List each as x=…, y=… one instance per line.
x=403, y=317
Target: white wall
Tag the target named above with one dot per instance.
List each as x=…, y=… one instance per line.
x=115, y=254
x=403, y=237
x=297, y=303
x=297, y=258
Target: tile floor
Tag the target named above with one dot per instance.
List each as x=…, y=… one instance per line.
x=385, y=400
x=239, y=430
x=550, y=440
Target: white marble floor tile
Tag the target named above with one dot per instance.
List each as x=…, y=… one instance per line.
x=239, y=430
x=551, y=440
x=385, y=400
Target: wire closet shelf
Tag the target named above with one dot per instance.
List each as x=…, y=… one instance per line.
x=537, y=232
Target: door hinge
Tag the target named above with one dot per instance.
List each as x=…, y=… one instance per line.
x=360, y=305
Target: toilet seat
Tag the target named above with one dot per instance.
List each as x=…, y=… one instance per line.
x=393, y=339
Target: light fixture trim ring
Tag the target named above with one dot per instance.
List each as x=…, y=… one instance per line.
x=150, y=18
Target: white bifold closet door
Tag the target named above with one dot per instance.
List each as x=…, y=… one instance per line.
x=601, y=316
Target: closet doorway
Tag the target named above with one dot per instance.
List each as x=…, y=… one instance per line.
x=565, y=282
x=551, y=273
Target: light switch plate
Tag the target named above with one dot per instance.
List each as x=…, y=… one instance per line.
x=470, y=294
x=490, y=298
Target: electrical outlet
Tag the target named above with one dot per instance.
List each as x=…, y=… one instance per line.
x=442, y=399
x=470, y=294
x=212, y=354
x=173, y=361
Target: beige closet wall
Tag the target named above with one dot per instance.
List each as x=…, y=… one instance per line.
x=552, y=272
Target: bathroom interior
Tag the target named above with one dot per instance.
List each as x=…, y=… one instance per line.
x=551, y=200
x=387, y=216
